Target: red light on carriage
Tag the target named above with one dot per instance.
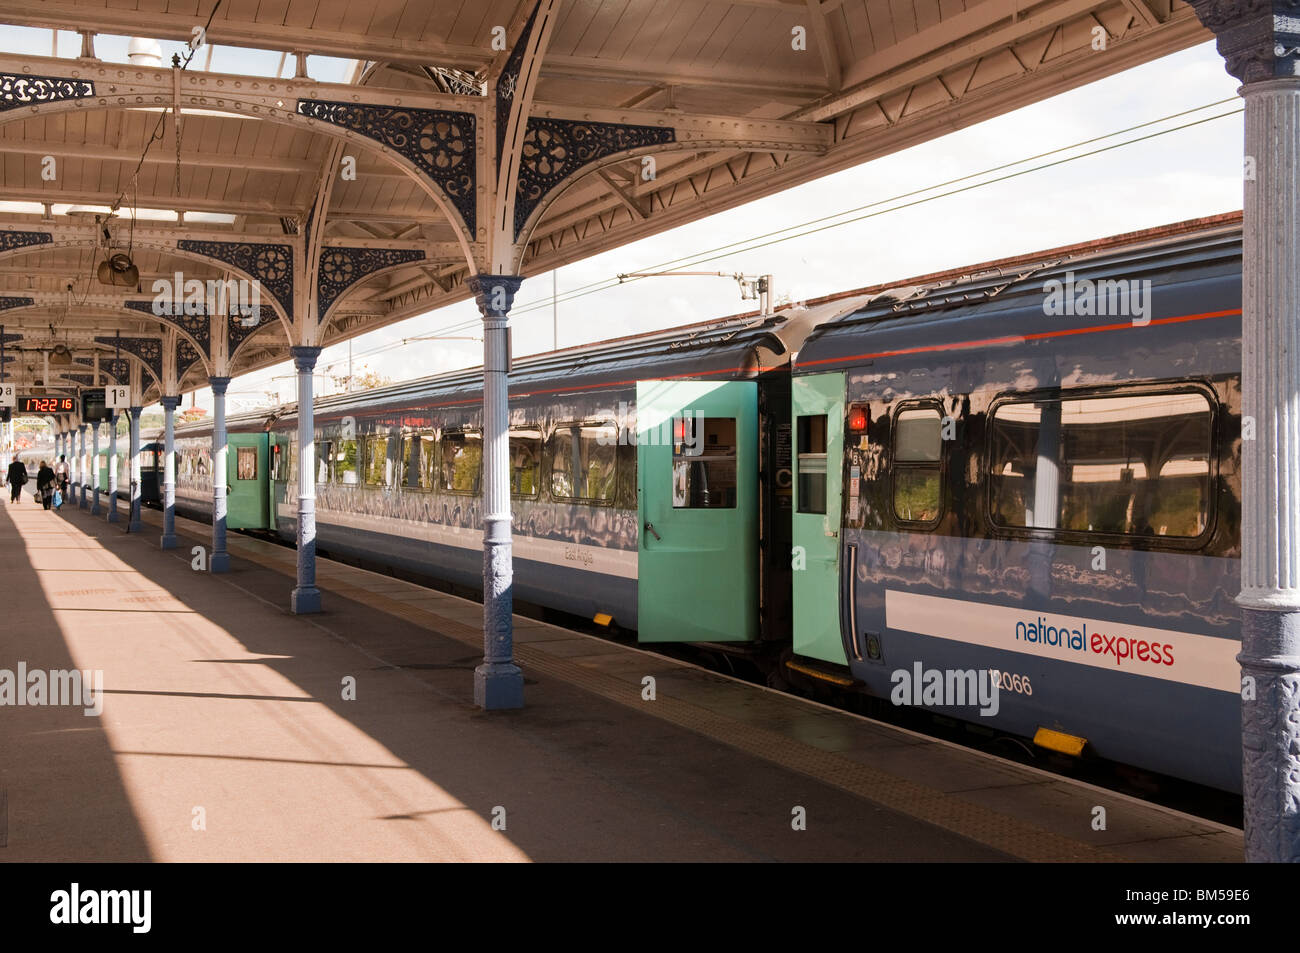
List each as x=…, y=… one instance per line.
x=859, y=417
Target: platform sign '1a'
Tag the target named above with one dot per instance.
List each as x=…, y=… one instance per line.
x=8, y=395
x=117, y=397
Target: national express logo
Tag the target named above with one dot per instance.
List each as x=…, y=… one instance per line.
x=1119, y=647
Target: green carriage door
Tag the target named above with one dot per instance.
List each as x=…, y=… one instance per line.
x=818, y=412
x=246, y=496
x=697, y=505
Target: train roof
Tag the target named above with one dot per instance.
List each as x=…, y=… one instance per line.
x=950, y=295
x=746, y=345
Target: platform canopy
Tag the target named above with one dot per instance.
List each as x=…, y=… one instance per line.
x=472, y=136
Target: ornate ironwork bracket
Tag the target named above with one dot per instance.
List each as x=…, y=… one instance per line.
x=554, y=149
x=440, y=143
x=271, y=264
x=7, y=302
x=148, y=350
x=507, y=84
x=197, y=326
x=186, y=358
x=341, y=267
x=118, y=368
x=9, y=240
x=17, y=90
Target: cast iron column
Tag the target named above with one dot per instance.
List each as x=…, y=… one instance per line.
x=112, y=468
x=305, y=597
x=133, y=524
x=220, y=559
x=94, y=468
x=1259, y=42
x=498, y=683
x=81, y=466
x=169, y=404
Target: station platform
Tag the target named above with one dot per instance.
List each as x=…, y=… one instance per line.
x=224, y=735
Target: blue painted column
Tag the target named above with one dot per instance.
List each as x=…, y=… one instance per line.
x=219, y=561
x=113, y=516
x=134, y=525
x=305, y=597
x=81, y=466
x=498, y=683
x=169, y=405
x=1260, y=44
x=94, y=470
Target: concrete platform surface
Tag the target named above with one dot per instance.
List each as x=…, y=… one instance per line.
x=225, y=735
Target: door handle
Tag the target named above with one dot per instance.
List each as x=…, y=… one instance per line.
x=832, y=534
x=650, y=528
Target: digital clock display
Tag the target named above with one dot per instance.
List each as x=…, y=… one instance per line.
x=47, y=405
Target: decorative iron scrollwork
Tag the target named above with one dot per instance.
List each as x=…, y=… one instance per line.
x=270, y=263
x=148, y=350
x=554, y=149
x=439, y=142
x=8, y=302
x=197, y=326
x=118, y=368
x=186, y=357
x=18, y=90
x=507, y=83
x=10, y=240
x=342, y=267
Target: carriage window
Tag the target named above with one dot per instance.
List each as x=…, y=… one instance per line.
x=1136, y=465
x=583, y=462
x=462, y=461
x=419, y=460
x=324, y=461
x=704, y=462
x=246, y=463
x=812, y=464
x=345, y=462
x=525, y=462
x=378, y=466
x=918, y=447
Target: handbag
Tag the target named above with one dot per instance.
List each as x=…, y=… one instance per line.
x=36, y=497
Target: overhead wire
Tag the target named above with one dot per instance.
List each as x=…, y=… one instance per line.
x=804, y=229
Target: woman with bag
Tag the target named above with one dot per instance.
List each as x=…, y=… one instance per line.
x=45, y=485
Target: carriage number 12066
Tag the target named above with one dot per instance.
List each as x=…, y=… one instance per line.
x=1011, y=683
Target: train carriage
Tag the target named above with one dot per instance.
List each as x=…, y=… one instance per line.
x=989, y=480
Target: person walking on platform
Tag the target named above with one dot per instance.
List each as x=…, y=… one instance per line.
x=17, y=477
x=45, y=482
x=61, y=475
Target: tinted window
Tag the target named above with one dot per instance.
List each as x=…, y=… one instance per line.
x=419, y=460
x=1135, y=465
x=583, y=462
x=345, y=462
x=918, y=449
x=378, y=467
x=462, y=461
x=525, y=462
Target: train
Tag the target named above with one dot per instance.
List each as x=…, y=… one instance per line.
x=1009, y=494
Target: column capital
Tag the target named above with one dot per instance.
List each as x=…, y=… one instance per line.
x=136, y=411
x=1258, y=39
x=494, y=294
x=304, y=356
x=81, y=428
x=218, y=384
x=170, y=403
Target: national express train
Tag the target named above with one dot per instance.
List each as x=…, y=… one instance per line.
x=1029, y=473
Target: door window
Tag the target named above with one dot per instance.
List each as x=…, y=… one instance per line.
x=918, y=451
x=246, y=463
x=704, y=462
x=812, y=463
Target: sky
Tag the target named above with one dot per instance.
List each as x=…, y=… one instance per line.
x=1186, y=173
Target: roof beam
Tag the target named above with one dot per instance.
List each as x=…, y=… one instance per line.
x=592, y=68
x=223, y=32
x=825, y=44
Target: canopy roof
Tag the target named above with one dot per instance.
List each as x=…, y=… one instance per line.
x=485, y=136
